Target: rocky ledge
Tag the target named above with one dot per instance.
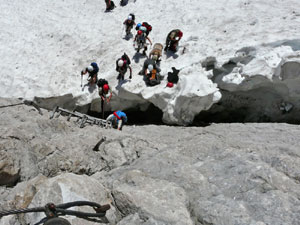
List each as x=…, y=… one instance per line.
x=219, y=174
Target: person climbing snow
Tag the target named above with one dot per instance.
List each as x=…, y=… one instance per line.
x=173, y=39
x=129, y=23
x=140, y=39
x=152, y=77
x=104, y=90
x=146, y=65
x=173, y=77
x=118, y=119
x=156, y=52
x=122, y=65
x=92, y=71
x=110, y=5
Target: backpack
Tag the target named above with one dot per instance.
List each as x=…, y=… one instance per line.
x=101, y=82
x=125, y=57
x=95, y=66
x=173, y=76
x=147, y=25
x=112, y=5
x=132, y=15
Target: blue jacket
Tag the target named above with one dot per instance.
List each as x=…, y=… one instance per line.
x=120, y=114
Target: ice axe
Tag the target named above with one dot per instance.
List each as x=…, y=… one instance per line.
x=81, y=79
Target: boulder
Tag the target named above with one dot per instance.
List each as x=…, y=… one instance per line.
x=61, y=189
x=135, y=191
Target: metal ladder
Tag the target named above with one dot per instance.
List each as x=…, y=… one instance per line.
x=82, y=119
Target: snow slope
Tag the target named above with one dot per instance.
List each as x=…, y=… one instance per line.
x=45, y=45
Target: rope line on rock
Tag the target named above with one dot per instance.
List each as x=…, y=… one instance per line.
x=52, y=211
x=4, y=106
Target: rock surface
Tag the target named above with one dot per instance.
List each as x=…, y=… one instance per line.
x=220, y=174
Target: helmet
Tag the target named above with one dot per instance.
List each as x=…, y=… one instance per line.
x=138, y=25
x=129, y=17
x=120, y=63
x=170, y=84
x=150, y=67
x=154, y=57
x=90, y=68
x=180, y=34
x=140, y=32
x=105, y=87
x=93, y=64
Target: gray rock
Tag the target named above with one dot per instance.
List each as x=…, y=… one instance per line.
x=48, y=147
x=231, y=173
x=165, y=201
x=61, y=189
x=221, y=174
x=134, y=219
x=9, y=173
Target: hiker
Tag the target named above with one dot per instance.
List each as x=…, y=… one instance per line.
x=156, y=52
x=172, y=77
x=104, y=89
x=110, y=5
x=92, y=71
x=129, y=23
x=146, y=65
x=152, y=77
x=140, y=39
x=173, y=39
x=118, y=118
x=122, y=64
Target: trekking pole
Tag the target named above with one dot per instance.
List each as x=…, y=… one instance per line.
x=102, y=108
x=81, y=80
x=122, y=31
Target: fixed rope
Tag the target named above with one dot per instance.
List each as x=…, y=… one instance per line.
x=53, y=211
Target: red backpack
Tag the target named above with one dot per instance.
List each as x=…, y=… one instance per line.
x=147, y=25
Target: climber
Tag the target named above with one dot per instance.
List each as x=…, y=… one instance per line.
x=110, y=5
x=146, y=65
x=152, y=77
x=122, y=64
x=172, y=77
x=129, y=23
x=173, y=39
x=156, y=52
x=92, y=71
x=104, y=88
x=140, y=39
x=118, y=118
